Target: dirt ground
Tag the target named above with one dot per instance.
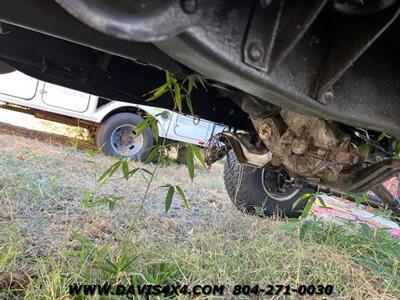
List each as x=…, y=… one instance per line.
x=43, y=182
x=60, y=177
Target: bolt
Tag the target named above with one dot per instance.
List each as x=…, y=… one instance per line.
x=298, y=146
x=327, y=97
x=255, y=51
x=189, y=6
x=265, y=132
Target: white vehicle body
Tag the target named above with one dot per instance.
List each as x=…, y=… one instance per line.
x=19, y=89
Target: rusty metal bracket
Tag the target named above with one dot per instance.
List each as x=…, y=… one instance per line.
x=245, y=152
x=367, y=178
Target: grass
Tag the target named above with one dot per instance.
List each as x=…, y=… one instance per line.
x=49, y=239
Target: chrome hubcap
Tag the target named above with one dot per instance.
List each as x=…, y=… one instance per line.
x=124, y=142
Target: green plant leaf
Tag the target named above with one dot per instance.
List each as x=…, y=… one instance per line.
x=154, y=128
x=397, y=150
x=321, y=200
x=152, y=154
x=133, y=171
x=191, y=83
x=364, y=149
x=90, y=152
x=201, y=81
x=189, y=104
x=159, y=92
x=197, y=152
x=190, y=161
x=125, y=169
x=303, y=197
x=308, y=206
x=110, y=172
x=141, y=127
x=146, y=171
x=182, y=195
x=168, y=79
x=382, y=136
x=168, y=199
x=178, y=97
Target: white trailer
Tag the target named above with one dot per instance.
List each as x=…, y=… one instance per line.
x=113, y=122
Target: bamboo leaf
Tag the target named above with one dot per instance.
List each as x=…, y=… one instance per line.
x=159, y=92
x=168, y=78
x=189, y=104
x=191, y=83
x=91, y=153
x=154, y=129
x=178, y=97
x=168, y=199
x=110, y=171
x=197, y=152
x=125, y=169
x=382, y=136
x=201, y=81
x=364, y=149
x=182, y=195
x=141, y=127
x=133, y=171
x=190, y=161
x=321, y=200
x=146, y=171
x=105, y=174
x=303, y=197
x=307, y=208
x=397, y=150
x=152, y=155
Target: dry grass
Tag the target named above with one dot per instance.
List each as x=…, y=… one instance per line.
x=48, y=239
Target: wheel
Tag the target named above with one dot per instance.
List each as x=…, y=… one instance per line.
x=268, y=191
x=116, y=137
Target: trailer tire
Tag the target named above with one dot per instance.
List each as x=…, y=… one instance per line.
x=116, y=137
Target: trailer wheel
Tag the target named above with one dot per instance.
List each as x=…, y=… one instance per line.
x=116, y=137
x=256, y=190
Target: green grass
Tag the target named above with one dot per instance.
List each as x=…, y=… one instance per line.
x=361, y=264
x=48, y=239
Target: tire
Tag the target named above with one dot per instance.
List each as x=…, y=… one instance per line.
x=110, y=133
x=246, y=189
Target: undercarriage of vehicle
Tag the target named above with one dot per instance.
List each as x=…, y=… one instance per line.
x=299, y=78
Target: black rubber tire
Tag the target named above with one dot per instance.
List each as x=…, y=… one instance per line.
x=103, y=135
x=245, y=188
